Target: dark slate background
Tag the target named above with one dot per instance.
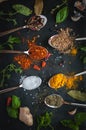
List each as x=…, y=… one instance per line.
x=34, y=98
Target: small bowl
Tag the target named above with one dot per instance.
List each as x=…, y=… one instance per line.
x=50, y=41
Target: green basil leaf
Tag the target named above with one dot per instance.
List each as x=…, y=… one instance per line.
x=12, y=112
x=16, y=102
x=62, y=14
x=19, y=8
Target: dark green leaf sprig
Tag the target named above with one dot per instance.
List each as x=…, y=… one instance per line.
x=19, y=9
x=64, y=2
x=10, y=42
x=44, y=121
x=82, y=48
x=6, y=73
x=75, y=123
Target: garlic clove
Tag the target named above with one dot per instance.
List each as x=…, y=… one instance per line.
x=72, y=112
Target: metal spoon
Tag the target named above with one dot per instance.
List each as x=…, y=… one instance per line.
x=54, y=36
x=56, y=101
x=30, y=25
x=29, y=83
x=78, y=74
x=28, y=52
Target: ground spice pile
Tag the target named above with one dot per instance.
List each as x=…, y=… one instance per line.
x=63, y=41
x=61, y=80
x=23, y=60
x=36, y=53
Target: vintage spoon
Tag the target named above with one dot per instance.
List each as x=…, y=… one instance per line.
x=30, y=52
x=29, y=83
x=50, y=40
x=78, y=74
x=29, y=25
x=56, y=101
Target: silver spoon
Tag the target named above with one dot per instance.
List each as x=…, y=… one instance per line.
x=29, y=83
x=28, y=52
x=54, y=36
x=78, y=74
x=56, y=101
x=30, y=25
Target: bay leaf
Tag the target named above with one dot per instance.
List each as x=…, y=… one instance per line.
x=76, y=94
x=38, y=7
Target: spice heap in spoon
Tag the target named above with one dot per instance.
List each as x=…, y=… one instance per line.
x=63, y=41
x=61, y=80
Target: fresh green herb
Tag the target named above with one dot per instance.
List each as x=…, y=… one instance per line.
x=10, y=42
x=44, y=121
x=80, y=118
x=76, y=94
x=12, y=112
x=75, y=123
x=13, y=109
x=22, y=9
x=9, y=20
x=62, y=14
x=82, y=48
x=16, y=102
x=64, y=2
x=19, y=8
x=6, y=73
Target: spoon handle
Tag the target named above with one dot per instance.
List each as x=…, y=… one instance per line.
x=12, y=30
x=11, y=51
x=80, y=39
x=77, y=104
x=8, y=89
x=81, y=73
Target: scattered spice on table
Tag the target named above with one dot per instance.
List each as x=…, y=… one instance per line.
x=60, y=80
x=74, y=51
x=23, y=60
x=32, y=42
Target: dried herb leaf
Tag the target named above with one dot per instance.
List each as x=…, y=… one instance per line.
x=38, y=7
x=62, y=14
x=76, y=94
x=19, y=8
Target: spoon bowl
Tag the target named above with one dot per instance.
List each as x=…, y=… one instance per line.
x=56, y=101
x=29, y=83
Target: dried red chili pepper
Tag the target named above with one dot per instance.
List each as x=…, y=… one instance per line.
x=36, y=67
x=43, y=64
x=9, y=100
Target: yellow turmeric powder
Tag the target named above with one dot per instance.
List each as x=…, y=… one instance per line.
x=74, y=51
x=60, y=80
x=57, y=81
x=72, y=81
